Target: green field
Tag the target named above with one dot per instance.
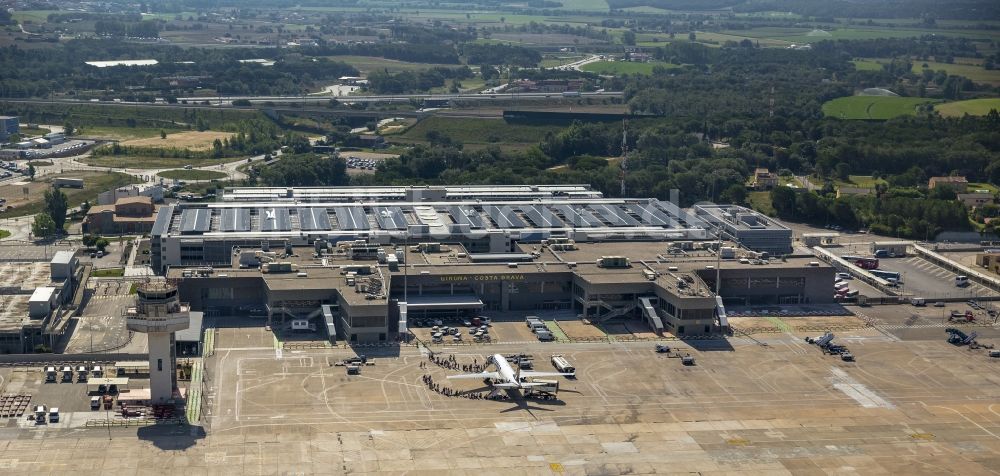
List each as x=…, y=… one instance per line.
x=4, y=234
x=625, y=67
x=867, y=65
x=182, y=174
x=972, y=71
x=761, y=201
x=33, y=16
x=972, y=107
x=872, y=107
x=476, y=132
x=108, y=273
x=809, y=35
x=368, y=64
x=584, y=5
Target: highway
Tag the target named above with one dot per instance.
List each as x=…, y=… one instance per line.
x=405, y=97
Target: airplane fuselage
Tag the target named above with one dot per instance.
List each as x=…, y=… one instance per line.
x=506, y=372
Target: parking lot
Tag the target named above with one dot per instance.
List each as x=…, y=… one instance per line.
x=923, y=278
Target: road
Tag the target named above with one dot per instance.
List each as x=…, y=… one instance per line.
x=575, y=66
x=398, y=98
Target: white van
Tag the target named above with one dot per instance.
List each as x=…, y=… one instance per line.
x=961, y=281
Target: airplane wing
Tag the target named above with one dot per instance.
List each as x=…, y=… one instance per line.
x=478, y=376
x=532, y=373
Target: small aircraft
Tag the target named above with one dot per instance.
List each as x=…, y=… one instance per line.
x=508, y=377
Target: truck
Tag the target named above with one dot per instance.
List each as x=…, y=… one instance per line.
x=886, y=275
x=918, y=301
x=544, y=336
x=562, y=365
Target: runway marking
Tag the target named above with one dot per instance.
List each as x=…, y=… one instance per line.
x=856, y=390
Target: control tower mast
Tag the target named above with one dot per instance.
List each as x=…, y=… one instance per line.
x=158, y=313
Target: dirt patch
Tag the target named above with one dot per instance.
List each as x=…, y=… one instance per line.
x=641, y=330
x=193, y=140
x=580, y=330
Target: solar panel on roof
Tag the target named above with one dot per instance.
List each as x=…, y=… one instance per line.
x=579, y=216
x=466, y=216
x=390, y=218
x=504, y=217
x=275, y=219
x=615, y=216
x=195, y=220
x=351, y=218
x=235, y=219
x=648, y=215
x=541, y=216
x=314, y=218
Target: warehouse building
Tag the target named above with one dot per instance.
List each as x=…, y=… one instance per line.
x=363, y=269
x=9, y=125
x=747, y=227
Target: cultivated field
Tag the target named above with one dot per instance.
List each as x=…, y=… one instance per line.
x=872, y=107
x=194, y=140
x=974, y=107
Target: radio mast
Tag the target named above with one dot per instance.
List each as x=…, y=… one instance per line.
x=624, y=165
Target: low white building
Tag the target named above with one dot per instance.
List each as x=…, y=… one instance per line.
x=154, y=192
x=42, y=301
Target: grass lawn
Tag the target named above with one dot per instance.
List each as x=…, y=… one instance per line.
x=761, y=201
x=982, y=186
x=584, y=5
x=4, y=234
x=33, y=16
x=182, y=174
x=126, y=161
x=872, y=107
x=476, y=131
x=861, y=181
x=867, y=65
x=40, y=163
x=108, y=273
x=625, y=67
x=973, y=107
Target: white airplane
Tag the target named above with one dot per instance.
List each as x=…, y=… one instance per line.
x=508, y=377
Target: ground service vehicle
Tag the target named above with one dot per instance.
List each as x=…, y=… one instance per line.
x=562, y=365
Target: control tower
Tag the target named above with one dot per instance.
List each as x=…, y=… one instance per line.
x=159, y=313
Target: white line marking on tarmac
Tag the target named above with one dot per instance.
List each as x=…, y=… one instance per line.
x=858, y=391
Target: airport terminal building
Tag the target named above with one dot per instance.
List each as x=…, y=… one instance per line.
x=362, y=261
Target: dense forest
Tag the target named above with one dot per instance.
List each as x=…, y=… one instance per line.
x=724, y=97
